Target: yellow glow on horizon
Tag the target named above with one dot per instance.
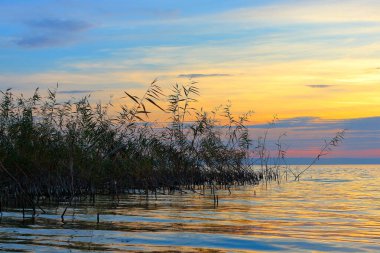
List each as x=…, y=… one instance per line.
x=330, y=89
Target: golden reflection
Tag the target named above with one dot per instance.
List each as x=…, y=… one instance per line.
x=331, y=208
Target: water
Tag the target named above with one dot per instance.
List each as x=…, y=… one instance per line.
x=332, y=208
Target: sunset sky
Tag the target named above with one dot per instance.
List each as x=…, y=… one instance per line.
x=315, y=64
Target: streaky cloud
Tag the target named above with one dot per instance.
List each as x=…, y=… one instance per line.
x=39, y=41
x=50, y=32
x=305, y=135
x=314, y=123
x=201, y=75
x=76, y=91
x=61, y=25
x=319, y=86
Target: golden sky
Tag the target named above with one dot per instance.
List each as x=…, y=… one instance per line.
x=317, y=60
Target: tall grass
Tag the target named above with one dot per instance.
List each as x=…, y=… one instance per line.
x=55, y=151
x=52, y=150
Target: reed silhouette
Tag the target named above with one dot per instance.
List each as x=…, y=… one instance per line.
x=58, y=151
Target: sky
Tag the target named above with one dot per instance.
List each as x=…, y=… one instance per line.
x=314, y=64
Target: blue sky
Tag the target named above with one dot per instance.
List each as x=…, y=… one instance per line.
x=316, y=63
x=43, y=35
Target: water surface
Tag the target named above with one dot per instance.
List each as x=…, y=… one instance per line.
x=332, y=208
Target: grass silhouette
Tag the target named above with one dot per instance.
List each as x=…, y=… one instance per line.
x=55, y=151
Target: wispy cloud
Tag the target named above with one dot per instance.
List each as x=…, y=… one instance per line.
x=319, y=86
x=76, y=91
x=292, y=122
x=308, y=12
x=76, y=81
x=62, y=25
x=305, y=135
x=39, y=41
x=51, y=32
x=201, y=75
x=357, y=124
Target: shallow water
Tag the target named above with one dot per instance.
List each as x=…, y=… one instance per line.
x=332, y=208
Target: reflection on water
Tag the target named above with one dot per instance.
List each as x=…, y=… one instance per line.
x=332, y=208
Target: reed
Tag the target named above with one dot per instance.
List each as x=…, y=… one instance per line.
x=54, y=151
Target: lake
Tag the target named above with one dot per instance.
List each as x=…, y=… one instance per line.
x=332, y=208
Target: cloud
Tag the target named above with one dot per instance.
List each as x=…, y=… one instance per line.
x=39, y=41
x=305, y=135
x=312, y=12
x=62, y=25
x=200, y=75
x=362, y=124
x=311, y=123
x=76, y=81
x=319, y=86
x=42, y=41
x=76, y=91
x=291, y=123
x=50, y=32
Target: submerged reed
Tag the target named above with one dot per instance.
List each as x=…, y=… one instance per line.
x=51, y=151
